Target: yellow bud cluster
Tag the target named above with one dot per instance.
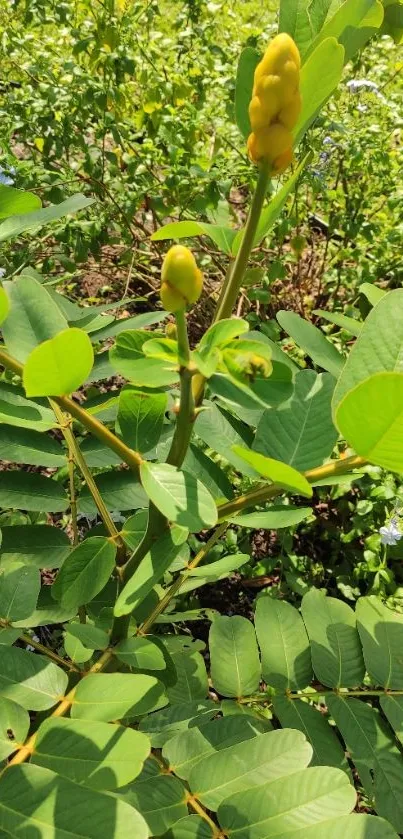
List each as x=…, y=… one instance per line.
x=181, y=279
x=276, y=103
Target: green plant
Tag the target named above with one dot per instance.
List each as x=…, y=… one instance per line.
x=110, y=687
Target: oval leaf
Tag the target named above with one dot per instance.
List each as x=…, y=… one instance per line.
x=59, y=366
x=179, y=496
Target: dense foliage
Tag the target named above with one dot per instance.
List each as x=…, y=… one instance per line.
x=200, y=586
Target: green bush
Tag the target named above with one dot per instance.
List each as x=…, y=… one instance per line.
x=114, y=720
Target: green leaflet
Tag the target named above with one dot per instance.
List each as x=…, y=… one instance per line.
x=30, y=680
x=327, y=749
x=378, y=761
x=34, y=317
x=97, y=754
x=95, y=813
x=19, y=590
x=112, y=696
x=284, y=645
x=14, y=726
x=60, y=365
x=140, y=418
x=378, y=348
x=179, y=496
x=381, y=631
x=29, y=491
x=305, y=798
x=302, y=434
x=186, y=749
x=335, y=644
x=22, y=445
x=313, y=341
x=235, y=665
x=85, y=572
x=14, y=202
x=151, y=570
x=251, y=763
x=280, y=473
x=162, y=802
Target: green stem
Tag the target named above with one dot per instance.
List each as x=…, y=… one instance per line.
x=234, y=281
x=73, y=498
x=176, y=585
x=157, y=523
x=100, y=431
x=89, y=480
x=185, y=417
x=266, y=492
x=317, y=694
x=23, y=636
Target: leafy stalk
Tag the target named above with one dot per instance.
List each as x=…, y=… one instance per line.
x=157, y=523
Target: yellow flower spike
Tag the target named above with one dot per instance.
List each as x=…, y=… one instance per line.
x=288, y=116
x=276, y=104
x=269, y=143
x=181, y=279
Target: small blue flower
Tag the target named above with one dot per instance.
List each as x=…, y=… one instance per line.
x=5, y=180
x=390, y=533
x=328, y=141
x=354, y=85
x=5, y=176
x=2, y=272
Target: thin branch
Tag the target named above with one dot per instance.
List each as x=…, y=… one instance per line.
x=79, y=459
x=100, y=431
x=23, y=636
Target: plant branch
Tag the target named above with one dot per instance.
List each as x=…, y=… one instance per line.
x=129, y=456
x=176, y=585
x=88, y=477
x=267, y=491
x=257, y=496
x=23, y=636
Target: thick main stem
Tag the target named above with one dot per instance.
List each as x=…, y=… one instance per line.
x=185, y=416
x=157, y=523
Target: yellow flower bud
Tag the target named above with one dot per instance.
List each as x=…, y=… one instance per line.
x=276, y=103
x=181, y=279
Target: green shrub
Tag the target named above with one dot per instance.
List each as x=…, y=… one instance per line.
x=133, y=732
